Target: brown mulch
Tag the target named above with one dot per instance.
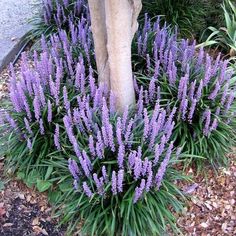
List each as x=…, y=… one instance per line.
x=23, y=211
x=211, y=210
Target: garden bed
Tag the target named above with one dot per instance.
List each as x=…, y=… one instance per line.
x=211, y=210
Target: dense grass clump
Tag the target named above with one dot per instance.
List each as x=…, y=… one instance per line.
x=121, y=168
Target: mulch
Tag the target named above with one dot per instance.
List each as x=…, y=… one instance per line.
x=211, y=210
x=23, y=211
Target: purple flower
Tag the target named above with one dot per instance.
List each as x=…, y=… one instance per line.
x=27, y=126
x=139, y=191
x=57, y=138
x=42, y=131
x=11, y=121
x=199, y=91
x=84, y=166
x=99, y=183
x=114, y=183
x=73, y=168
x=192, y=90
x=87, y=190
x=146, y=124
x=229, y=101
x=119, y=131
x=65, y=97
x=36, y=108
x=104, y=173
x=161, y=171
x=121, y=156
x=49, y=111
x=192, y=110
x=157, y=154
x=129, y=130
x=29, y=144
x=111, y=138
x=87, y=160
x=150, y=177
x=42, y=97
x=214, y=93
x=183, y=108
x=152, y=89
x=137, y=167
x=91, y=146
x=120, y=178
x=207, y=117
x=214, y=125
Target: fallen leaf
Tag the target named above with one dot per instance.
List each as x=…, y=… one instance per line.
x=44, y=232
x=7, y=225
x=204, y=225
x=35, y=221
x=2, y=209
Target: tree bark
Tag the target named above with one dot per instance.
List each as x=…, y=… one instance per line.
x=113, y=45
x=98, y=21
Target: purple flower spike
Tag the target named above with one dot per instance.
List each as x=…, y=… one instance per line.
x=57, y=138
x=65, y=97
x=214, y=93
x=29, y=144
x=192, y=110
x=146, y=124
x=137, y=167
x=207, y=117
x=120, y=178
x=49, y=111
x=114, y=183
x=163, y=166
x=150, y=177
x=91, y=146
x=87, y=190
x=42, y=131
x=139, y=191
x=36, y=108
x=73, y=168
x=121, y=156
x=104, y=174
x=27, y=126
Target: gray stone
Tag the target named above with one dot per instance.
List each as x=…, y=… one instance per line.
x=14, y=25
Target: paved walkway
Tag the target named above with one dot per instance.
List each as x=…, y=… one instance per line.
x=14, y=16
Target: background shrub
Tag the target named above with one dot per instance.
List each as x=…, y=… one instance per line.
x=187, y=15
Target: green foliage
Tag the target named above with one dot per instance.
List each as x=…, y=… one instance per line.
x=225, y=37
x=187, y=15
x=119, y=216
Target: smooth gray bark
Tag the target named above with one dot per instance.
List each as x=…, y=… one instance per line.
x=114, y=23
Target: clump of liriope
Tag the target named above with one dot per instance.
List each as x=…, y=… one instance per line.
x=58, y=15
x=121, y=167
x=34, y=115
x=202, y=90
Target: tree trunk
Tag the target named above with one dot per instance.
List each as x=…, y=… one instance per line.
x=113, y=45
x=98, y=21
